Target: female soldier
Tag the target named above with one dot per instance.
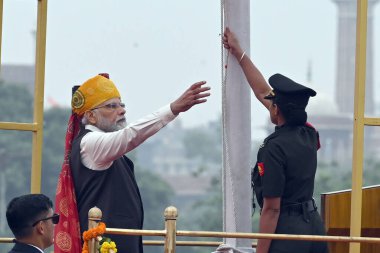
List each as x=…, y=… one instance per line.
x=283, y=177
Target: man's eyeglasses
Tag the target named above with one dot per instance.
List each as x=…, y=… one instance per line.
x=111, y=106
x=54, y=218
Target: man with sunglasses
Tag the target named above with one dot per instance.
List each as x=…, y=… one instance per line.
x=96, y=170
x=31, y=219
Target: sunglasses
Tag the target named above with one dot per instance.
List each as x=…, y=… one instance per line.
x=111, y=106
x=54, y=218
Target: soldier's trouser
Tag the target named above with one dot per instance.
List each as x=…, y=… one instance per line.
x=295, y=223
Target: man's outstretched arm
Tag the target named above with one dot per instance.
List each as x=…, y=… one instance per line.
x=194, y=95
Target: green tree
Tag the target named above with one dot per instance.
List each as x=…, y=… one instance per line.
x=205, y=143
x=156, y=195
x=15, y=146
x=15, y=149
x=371, y=175
x=208, y=213
x=55, y=125
x=17, y=103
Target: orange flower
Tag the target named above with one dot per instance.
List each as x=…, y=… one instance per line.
x=92, y=233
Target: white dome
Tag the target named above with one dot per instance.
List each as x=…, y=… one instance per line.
x=322, y=104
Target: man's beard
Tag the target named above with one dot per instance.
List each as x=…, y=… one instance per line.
x=106, y=126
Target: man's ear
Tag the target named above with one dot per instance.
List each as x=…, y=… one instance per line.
x=91, y=117
x=40, y=228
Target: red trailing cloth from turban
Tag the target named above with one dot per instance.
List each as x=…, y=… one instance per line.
x=67, y=236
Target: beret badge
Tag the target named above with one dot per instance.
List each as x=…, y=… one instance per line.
x=77, y=101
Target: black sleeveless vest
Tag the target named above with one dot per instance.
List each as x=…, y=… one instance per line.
x=114, y=191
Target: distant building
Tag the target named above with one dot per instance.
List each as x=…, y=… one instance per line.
x=18, y=74
x=165, y=155
x=333, y=117
x=345, y=64
x=335, y=130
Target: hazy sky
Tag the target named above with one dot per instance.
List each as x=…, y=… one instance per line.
x=154, y=49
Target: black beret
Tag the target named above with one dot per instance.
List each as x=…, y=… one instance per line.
x=286, y=86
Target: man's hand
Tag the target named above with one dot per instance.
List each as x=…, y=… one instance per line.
x=194, y=95
x=231, y=43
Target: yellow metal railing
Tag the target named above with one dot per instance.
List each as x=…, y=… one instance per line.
x=359, y=122
x=358, y=134
x=18, y=126
x=38, y=114
x=37, y=126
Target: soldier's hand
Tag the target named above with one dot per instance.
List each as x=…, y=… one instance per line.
x=231, y=43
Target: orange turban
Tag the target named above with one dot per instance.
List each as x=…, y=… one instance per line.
x=92, y=93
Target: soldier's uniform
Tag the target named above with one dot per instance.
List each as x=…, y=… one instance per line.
x=285, y=168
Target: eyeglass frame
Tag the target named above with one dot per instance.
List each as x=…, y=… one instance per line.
x=111, y=106
x=54, y=218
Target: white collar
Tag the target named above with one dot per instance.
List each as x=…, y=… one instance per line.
x=36, y=247
x=93, y=128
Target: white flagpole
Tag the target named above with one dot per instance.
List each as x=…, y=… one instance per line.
x=237, y=129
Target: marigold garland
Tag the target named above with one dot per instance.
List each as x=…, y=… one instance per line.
x=92, y=233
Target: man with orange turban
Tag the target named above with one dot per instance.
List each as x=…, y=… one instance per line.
x=96, y=171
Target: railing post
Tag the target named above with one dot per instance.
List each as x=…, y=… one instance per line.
x=171, y=215
x=94, y=216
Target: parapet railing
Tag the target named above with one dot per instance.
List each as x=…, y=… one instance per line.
x=170, y=234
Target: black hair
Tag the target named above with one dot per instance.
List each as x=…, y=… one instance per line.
x=294, y=115
x=292, y=107
x=23, y=211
